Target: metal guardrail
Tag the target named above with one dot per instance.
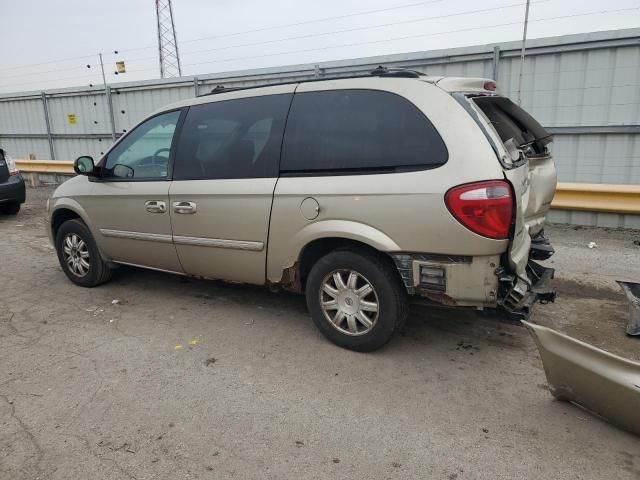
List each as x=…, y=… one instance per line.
x=597, y=197
x=588, y=197
x=62, y=167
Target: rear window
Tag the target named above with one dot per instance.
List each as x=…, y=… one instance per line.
x=358, y=131
x=511, y=121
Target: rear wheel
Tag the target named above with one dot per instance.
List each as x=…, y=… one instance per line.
x=79, y=256
x=356, y=299
x=10, y=208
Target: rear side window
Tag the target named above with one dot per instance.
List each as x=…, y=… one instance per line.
x=359, y=131
x=238, y=138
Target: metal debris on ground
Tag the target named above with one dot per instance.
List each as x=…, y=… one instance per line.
x=632, y=291
x=598, y=381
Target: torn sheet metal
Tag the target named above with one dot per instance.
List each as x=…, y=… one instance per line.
x=632, y=291
x=599, y=381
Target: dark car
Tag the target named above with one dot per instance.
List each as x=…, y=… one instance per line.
x=12, y=191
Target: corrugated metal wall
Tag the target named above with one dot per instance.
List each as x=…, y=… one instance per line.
x=585, y=88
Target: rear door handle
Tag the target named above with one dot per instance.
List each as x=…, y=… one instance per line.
x=155, y=206
x=184, y=207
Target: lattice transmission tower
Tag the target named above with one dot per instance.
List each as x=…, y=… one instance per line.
x=167, y=41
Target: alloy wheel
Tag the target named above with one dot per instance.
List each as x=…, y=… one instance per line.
x=76, y=254
x=349, y=302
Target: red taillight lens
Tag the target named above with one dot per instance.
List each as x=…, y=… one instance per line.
x=490, y=85
x=485, y=208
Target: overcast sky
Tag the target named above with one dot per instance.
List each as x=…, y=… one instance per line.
x=37, y=34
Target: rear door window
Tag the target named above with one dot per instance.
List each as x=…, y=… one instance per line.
x=359, y=131
x=238, y=138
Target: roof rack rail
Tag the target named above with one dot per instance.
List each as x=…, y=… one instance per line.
x=379, y=71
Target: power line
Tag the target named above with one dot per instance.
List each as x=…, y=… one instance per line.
x=49, y=80
x=407, y=37
x=394, y=38
x=262, y=29
x=298, y=37
x=354, y=29
x=371, y=41
x=296, y=24
x=48, y=62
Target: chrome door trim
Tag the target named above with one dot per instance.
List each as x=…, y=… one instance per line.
x=150, y=237
x=219, y=243
x=180, y=240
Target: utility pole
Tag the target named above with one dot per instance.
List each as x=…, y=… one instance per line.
x=167, y=41
x=104, y=79
x=522, y=52
x=107, y=92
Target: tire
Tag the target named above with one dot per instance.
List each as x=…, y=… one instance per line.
x=388, y=293
x=75, y=235
x=10, y=208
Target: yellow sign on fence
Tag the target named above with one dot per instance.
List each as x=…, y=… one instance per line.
x=71, y=118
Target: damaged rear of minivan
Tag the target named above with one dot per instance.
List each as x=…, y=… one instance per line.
x=521, y=146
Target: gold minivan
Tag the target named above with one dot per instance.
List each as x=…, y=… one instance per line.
x=361, y=192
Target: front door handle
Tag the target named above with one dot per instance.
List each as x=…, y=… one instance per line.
x=184, y=207
x=155, y=206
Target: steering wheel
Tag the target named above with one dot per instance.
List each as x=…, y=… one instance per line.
x=155, y=155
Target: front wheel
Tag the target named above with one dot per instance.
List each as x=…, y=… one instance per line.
x=356, y=299
x=79, y=256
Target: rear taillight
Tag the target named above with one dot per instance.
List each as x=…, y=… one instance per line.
x=11, y=164
x=485, y=208
x=490, y=85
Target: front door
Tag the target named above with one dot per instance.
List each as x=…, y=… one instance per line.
x=129, y=203
x=225, y=172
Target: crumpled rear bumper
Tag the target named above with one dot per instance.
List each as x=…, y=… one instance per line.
x=518, y=297
x=599, y=381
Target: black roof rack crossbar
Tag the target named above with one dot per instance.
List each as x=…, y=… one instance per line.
x=379, y=71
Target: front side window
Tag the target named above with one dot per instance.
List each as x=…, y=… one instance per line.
x=144, y=153
x=238, y=138
x=358, y=131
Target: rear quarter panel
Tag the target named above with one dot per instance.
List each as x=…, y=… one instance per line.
x=398, y=211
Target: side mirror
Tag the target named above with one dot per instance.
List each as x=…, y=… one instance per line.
x=84, y=165
x=122, y=171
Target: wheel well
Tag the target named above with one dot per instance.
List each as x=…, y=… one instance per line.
x=59, y=217
x=317, y=249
